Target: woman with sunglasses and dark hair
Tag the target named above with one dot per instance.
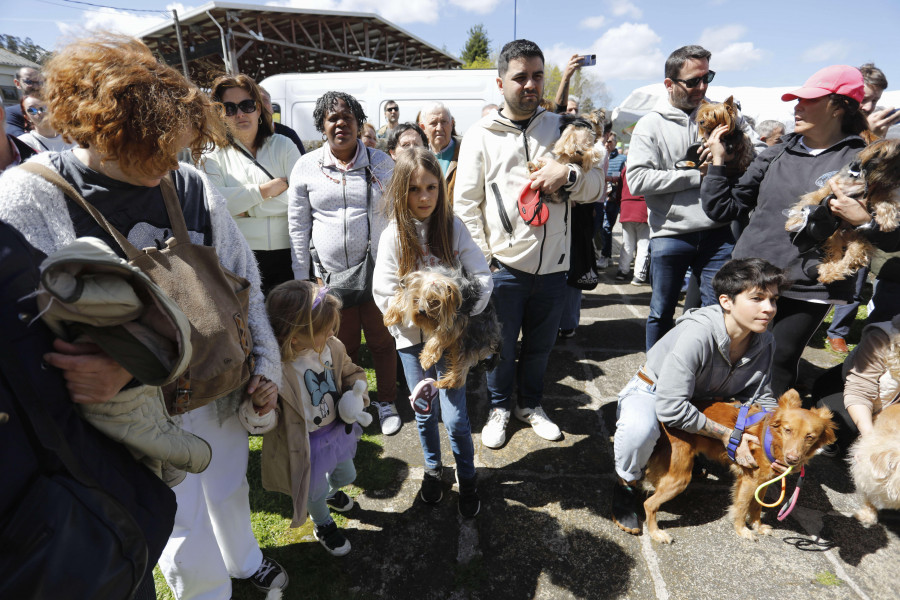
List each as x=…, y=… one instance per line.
x=251, y=172
x=826, y=137
x=336, y=219
x=40, y=134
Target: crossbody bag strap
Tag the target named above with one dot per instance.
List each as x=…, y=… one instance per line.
x=173, y=208
x=253, y=160
x=56, y=179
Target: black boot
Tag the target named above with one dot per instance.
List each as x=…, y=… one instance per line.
x=624, y=508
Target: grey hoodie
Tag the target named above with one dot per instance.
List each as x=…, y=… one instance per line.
x=660, y=139
x=691, y=361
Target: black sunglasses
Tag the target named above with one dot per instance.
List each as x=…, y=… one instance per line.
x=392, y=109
x=695, y=81
x=247, y=106
x=36, y=110
x=32, y=82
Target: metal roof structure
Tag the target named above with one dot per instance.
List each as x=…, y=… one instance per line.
x=261, y=41
x=11, y=59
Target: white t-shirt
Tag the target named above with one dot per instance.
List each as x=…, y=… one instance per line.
x=318, y=387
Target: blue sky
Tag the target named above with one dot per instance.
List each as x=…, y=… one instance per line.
x=755, y=43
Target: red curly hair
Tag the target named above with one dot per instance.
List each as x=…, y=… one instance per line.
x=110, y=93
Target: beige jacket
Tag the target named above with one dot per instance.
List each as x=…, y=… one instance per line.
x=868, y=380
x=492, y=171
x=285, y=453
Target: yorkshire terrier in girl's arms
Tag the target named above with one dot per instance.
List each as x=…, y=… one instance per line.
x=425, y=310
x=309, y=455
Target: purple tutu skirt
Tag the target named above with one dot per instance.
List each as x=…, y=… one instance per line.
x=328, y=447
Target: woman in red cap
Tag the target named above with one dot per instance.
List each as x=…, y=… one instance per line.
x=826, y=136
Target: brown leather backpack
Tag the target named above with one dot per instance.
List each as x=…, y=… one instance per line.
x=215, y=301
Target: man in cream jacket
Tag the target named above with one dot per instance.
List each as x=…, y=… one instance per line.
x=528, y=263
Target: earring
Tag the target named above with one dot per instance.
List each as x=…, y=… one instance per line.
x=323, y=137
x=260, y=119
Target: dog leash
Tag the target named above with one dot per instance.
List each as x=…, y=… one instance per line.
x=787, y=508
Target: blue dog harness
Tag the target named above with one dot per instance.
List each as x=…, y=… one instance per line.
x=743, y=422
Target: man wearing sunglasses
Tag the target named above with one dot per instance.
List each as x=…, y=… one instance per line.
x=681, y=235
x=392, y=116
x=27, y=80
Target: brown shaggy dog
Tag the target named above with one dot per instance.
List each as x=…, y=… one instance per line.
x=796, y=435
x=709, y=116
x=438, y=301
x=875, y=176
x=574, y=146
x=875, y=466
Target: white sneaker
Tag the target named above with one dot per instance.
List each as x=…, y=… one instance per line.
x=388, y=417
x=537, y=418
x=494, y=433
x=603, y=262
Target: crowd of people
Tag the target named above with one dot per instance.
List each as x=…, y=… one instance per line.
x=310, y=248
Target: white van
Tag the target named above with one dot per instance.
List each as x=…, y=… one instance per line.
x=463, y=91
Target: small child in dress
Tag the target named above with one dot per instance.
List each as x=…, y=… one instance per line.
x=424, y=233
x=309, y=455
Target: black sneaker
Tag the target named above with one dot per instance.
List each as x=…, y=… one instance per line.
x=432, y=487
x=566, y=334
x=620, y=276
x=332, y=539
x=269, y=576
x=469, y=502
x=340, y=501
x=624, y=508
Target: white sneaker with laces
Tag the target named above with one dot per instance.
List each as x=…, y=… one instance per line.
x=542, y=425
x=494, y=433
x=388, y=417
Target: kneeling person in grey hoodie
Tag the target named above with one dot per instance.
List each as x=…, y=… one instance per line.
x=724, y=350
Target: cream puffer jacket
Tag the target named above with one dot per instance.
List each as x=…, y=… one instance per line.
x=492, y=171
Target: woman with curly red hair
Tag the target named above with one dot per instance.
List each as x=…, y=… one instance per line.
x=130, y=116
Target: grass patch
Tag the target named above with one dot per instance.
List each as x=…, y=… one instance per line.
x=828, y=578
x=313, y=572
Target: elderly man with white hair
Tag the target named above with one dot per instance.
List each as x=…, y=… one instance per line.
x=437, y=123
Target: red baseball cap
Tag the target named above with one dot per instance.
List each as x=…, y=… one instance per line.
x=836, y=79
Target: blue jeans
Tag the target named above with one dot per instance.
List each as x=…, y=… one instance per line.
x=344, y=474
x=610, y=214
x=532, y=304
x=571, y=308
x=704, y=251
x=637, y=428
x=845, y=314
x=452, y=407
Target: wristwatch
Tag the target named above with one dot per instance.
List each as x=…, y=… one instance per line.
x=573, y=177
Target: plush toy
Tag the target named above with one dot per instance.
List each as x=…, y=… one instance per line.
x=352, y=406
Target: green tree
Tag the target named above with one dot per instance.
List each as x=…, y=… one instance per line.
x=586, y=85
x=24, y=48
x=477, y=52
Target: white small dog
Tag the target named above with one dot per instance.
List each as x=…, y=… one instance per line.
x=875, y=466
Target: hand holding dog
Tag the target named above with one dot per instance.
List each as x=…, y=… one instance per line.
x=743, y=456
x=844, y=207
x=716, y=148
x=549, y=176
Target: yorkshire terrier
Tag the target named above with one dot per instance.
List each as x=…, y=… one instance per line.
x=709, y=116
x=438, y=300
x=574, y=146
x=873, y=176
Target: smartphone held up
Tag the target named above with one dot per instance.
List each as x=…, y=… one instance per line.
x=587, y=60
